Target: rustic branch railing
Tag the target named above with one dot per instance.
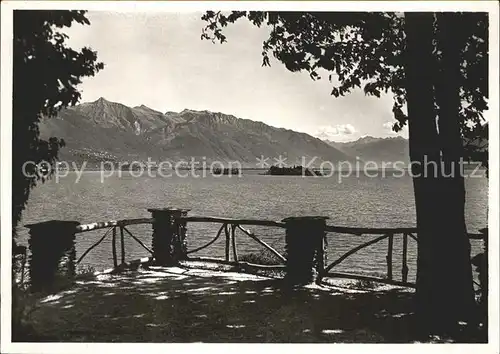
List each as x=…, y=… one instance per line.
x=97, y=243
x=255, y=222
x=255, y=238
x=389, y=260
x=123, y=229
x=354, y=250
x=387, y=233
x=137, y=240
x=229, y=226
x=210, y=242
x=106, y=224
x=169, y=243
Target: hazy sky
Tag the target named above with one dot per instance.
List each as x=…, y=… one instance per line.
x=160, y=61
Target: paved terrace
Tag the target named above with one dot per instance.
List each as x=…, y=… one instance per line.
x=160, y=304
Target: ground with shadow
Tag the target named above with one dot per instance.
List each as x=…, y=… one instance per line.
x=186, y=305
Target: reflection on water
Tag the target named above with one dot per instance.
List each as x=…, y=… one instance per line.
x=360, y=202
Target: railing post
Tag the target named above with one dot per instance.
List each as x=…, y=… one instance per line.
x=122, y=245
x=52, y=245
x=228, y=242
x=304, y=244
x=169, y=235
x=233, y=239
x=390, y=243
x=113, y=248
x=404, y=269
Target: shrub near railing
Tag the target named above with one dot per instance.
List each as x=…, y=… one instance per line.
x=264, y=257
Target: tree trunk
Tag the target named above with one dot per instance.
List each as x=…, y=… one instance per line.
x=423, y=139
x=456, y=267
x=443, y=275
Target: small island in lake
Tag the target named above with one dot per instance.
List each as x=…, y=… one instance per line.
x=226, y=171
x=291, y=171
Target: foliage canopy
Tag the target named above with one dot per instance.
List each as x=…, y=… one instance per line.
x=46, y=75
x=366, y=50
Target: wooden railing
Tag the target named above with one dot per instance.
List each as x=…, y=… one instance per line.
x=112, y=227
x=305, y=240
x=229, y=226
x=389, y=235
x=386, y=233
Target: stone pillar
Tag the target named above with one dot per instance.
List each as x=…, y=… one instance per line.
x=169, y=235
x=52, y=259
x=180, y=238
x=304, y=247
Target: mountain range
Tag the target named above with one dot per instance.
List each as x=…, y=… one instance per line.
x=378, y=150
x=109, y=131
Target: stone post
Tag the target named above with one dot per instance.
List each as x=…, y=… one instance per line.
x=304, y=246
x=169, y=235
x=52, y=259
x=180, y=238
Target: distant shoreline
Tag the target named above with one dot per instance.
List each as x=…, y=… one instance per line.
x=388, y=169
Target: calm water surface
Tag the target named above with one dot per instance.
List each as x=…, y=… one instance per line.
x=357, y=201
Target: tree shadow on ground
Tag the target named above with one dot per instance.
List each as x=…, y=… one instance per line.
x=179, y=305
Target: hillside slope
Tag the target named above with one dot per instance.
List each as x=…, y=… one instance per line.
x=377, y=150
x=104, y=130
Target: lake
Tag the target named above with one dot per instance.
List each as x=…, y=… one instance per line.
x=383, y=201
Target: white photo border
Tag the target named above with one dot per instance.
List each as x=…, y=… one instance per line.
x=7, y=8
